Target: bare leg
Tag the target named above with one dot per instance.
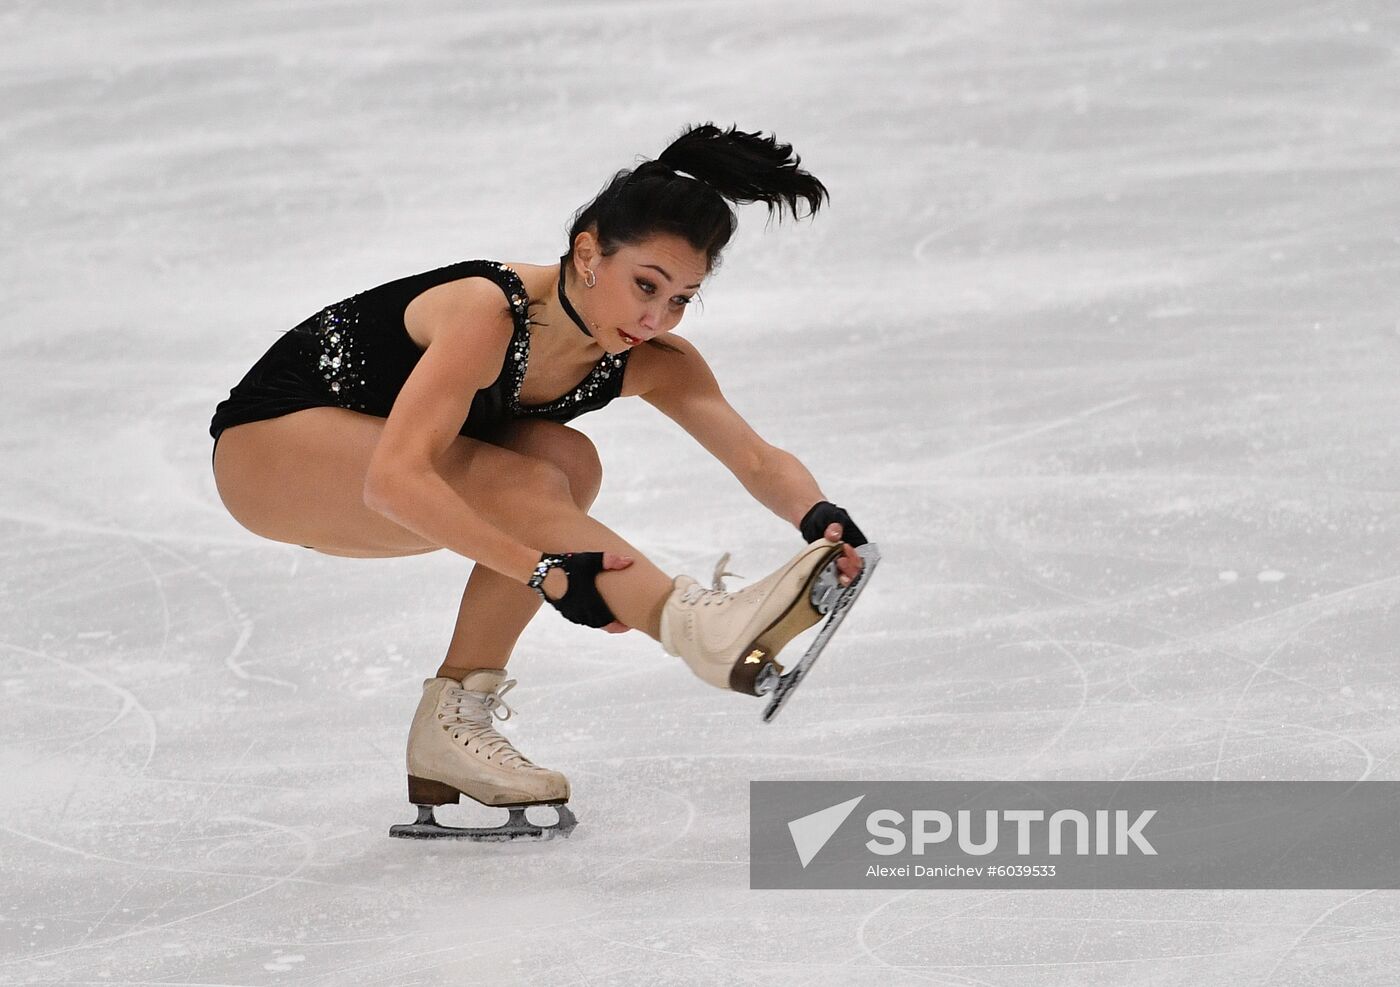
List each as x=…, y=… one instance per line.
x=548, y=516
x=492, y=615
x=494, y=609
x=300, y=479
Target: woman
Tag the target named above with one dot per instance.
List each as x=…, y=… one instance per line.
x=427, y=414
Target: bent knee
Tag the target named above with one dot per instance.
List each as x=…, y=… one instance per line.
x=569, y=451
x=545, y=479
x=584, y=469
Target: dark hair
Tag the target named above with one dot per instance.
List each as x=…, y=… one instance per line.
x=725, y=166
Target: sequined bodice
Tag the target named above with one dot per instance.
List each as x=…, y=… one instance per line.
x=357, y=354
x=605, y=375
x=604, y=379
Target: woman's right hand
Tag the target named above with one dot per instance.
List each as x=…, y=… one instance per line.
x=556, y=586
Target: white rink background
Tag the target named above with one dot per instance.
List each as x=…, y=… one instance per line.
x=1099, y=340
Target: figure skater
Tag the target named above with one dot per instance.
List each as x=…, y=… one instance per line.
x=430, y=413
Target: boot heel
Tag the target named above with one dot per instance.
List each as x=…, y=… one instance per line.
x=743, y=677
x=424, y=791
x=798, y=618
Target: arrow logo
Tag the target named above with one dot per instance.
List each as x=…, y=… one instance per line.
x=811, y=833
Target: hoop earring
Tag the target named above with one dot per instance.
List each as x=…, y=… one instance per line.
x=589, y=279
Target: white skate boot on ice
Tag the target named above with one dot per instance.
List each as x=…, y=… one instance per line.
x=454, y=750
x=730, y=639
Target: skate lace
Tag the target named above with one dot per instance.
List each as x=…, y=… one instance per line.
x=470, y=717
x=717, y=580
x=716, y=594
x=696, y=593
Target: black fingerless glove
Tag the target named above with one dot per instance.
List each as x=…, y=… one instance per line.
x=580, y=602
x=820, y=517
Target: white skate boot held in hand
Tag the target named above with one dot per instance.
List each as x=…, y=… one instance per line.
x=454, y=750
x=730, y=640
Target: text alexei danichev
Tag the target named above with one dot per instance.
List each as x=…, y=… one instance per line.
x=919, y=870
x=954, y=871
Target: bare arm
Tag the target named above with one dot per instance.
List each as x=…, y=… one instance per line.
x=682, y=387
x=784, y=486
x=468, y=328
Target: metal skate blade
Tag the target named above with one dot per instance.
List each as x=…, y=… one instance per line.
x=517, y=827
x=826, y=589
x=838, y=604
x=767, y=679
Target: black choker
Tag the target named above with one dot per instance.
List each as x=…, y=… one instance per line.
x=569, y=309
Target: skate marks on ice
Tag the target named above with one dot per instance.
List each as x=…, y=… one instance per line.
x=1107, y=937
x=1029, y=433
x=26, y=730
x=1166, y=657
x=121, y=769
x=140, y=846
x=166, y=878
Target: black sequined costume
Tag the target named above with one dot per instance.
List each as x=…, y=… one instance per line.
x=356, y=354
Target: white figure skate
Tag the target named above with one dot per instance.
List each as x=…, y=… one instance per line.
x=730, y=640
x=829, y=598
x=454, y=750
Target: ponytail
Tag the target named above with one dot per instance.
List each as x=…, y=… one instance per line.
x=746, y=167
x=689, y=188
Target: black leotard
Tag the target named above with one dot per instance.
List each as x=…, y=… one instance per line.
x=356, y=354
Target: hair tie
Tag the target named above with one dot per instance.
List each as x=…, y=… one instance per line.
x=680, y=174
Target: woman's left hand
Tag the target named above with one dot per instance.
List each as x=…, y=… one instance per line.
x=836, y=520
x=849, y=565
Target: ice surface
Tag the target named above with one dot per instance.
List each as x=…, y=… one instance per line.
x=1099, y=339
